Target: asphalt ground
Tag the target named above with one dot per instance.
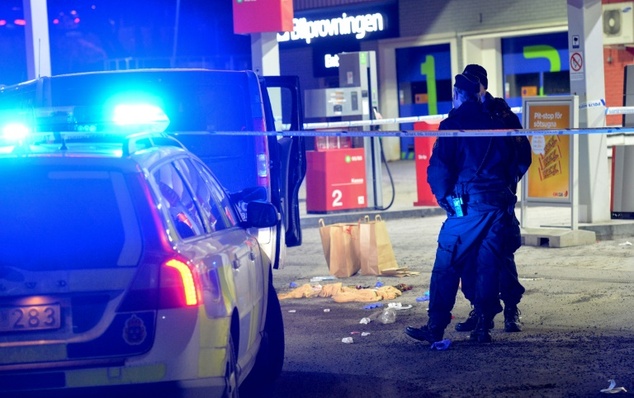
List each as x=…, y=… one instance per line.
x=576, y=315
x=576, y=335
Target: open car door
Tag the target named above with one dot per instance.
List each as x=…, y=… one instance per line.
x=283, y=94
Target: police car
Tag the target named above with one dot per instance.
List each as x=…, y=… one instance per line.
x=214, y=114
x=124, y=263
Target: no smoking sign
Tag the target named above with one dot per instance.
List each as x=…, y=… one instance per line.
x=576, y=62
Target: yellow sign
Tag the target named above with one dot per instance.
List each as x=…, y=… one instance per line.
x=548, y=178
x=529, y=91
x=420, y=98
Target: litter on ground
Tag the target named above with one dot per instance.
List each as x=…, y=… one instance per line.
x=342, y=294
x=399, y=306
x=441, y=345
x=613, y=389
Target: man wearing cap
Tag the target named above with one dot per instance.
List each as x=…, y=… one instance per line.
x=470, y=178
x=511, y=290
x=497, y=107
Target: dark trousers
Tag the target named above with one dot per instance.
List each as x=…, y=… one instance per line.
x=511, y=290
x=473, y=244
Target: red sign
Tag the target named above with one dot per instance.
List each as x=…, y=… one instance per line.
x=423, y=147
x=335, y=180
x=254, y=16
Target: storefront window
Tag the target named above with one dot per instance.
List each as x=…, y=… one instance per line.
x=424, y=85
x=535, y=65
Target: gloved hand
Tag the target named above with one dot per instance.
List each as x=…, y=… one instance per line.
x=444, y=203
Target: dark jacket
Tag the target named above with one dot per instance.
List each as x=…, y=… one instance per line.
x=498, y=108
x=472, y=165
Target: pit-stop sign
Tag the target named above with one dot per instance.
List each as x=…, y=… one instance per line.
x=335, y=180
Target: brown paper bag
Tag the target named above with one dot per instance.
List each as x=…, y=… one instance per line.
x=375, y=248
x=341, y=248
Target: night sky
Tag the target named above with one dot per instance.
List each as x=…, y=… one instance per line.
x=85, y=34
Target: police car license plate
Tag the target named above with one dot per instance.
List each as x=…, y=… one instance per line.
x=35, y=317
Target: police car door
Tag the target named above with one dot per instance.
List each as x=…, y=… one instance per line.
x=245, y=279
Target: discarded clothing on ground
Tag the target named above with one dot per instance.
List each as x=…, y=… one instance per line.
x=342, y=294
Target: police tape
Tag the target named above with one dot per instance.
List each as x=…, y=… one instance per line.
x=589, y=104
x=433, y=133
x=592, y=104
x=620, y=110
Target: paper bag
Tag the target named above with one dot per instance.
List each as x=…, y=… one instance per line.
x=375, y=248
x=341, y=248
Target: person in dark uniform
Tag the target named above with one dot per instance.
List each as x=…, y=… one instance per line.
x=497, y=107
x=471, y=178
x=511, y=290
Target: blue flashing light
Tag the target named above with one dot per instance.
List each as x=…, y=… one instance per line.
x=146, y=116
x=15, y=132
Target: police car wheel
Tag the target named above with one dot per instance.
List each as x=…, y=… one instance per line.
x=270, y=357
x=231, y=371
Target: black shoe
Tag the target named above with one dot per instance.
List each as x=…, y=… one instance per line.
x=424, y=334
x=470, y=323
x=481, y=336
x=482, y=332
x=512, y=321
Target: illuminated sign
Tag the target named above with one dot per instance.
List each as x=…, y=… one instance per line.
x=331, y=61
x=549, y=178
x=335, y=30
x=326, y=55
x=346, y=25
x=343, y=26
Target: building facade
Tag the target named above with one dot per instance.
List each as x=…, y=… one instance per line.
x=523, y=45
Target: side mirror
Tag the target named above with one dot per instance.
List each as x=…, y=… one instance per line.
x=262, y=215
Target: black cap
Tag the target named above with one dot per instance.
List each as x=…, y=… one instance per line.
x=467, y=83
x=477, y=71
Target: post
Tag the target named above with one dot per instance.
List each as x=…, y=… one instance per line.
x=585, y=47
x=38, y=54
x=265, y=61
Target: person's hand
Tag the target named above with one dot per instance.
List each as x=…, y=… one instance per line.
x=444, y=203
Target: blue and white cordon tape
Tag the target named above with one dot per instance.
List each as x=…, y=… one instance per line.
x=331, y=129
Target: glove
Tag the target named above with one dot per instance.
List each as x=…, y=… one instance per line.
x=444, y=203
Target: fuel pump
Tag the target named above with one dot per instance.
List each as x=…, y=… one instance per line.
x=358, y=70
x=356, y=98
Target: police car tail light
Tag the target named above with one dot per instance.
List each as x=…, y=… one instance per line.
x=262, y=161
x=179, y=285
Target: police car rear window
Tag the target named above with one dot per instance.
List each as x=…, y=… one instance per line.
x=61, y=219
